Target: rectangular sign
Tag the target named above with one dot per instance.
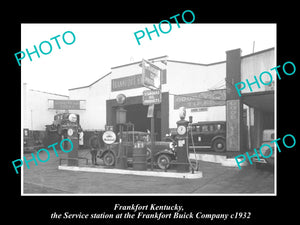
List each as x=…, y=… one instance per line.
x=66, y=104
x=109, y=128
x=124, y=83
x=233, y=125
x=202, y=109
x=150, y=112
x=130, y=82
x=150, y=74
x=200, y=99
x=151, y=97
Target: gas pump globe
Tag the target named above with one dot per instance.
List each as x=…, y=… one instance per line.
x=182, y=124
x=121, y=112
x=182, y=113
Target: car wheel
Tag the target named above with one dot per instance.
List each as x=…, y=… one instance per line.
x=163, y=161
x=219, y=145
x=109, y=159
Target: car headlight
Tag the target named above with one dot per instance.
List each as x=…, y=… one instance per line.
x=171, y=145
x=72, y=117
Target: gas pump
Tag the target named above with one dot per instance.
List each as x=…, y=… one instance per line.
x=72, y=134
x=182, y=142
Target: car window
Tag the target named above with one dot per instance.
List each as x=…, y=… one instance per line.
x=136, y=137
x=128, y=137
x=204, y=128
x=193, y=128
x=145, y=138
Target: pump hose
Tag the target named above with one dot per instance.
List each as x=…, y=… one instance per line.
x=197, y=162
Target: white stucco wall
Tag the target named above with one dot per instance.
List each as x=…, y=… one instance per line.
x=185, y=78
x=253, y=65
x=182, y=78
x=94, y=117
x=35, y=113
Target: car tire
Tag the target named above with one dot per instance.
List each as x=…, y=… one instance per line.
x=148, y=153
x=219, y=145
x=109, y=159
x=163, y=161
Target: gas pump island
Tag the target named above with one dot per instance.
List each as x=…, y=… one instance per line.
x=118, y=156
x=184, y=168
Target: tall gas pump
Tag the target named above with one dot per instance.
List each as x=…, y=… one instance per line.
x=71, y=133
x=121, y=159
x=182, y=142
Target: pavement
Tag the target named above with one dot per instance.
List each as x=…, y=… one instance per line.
x=46, y=178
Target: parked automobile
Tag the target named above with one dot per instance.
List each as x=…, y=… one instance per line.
x=163, y=153
x=63, y=121
x=268, y=136
x=32, y=140
x=207, y=135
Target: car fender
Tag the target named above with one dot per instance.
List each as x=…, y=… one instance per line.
x=102, y=153
x=218, y=136
x=165, y=151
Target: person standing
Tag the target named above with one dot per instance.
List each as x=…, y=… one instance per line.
x=94, y=144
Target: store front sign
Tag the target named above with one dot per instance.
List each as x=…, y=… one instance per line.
x=130, y=82
x=151, y=97
x=150, y=74
x=201, y=109
x=66, y=104
x=125, y=83
x=200, y=99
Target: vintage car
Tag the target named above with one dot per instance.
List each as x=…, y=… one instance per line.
x=206, y=135
x=268, y=136
x=63, y=121
x=163, y=154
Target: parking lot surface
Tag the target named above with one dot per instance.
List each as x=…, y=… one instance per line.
x=45, y=178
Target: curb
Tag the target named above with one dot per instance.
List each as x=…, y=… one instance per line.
x=196, y=175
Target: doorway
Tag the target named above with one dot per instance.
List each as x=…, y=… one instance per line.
x=137, y=114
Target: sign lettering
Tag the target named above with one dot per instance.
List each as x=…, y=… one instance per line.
x=200, y=99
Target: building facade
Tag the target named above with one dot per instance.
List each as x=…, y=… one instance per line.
x=206, y=90
x=36, y=111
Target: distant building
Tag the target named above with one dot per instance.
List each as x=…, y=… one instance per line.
x=36, y=113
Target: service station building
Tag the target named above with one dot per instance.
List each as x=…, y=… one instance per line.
x=206, y=90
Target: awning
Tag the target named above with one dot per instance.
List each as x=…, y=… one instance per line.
x=262, y=100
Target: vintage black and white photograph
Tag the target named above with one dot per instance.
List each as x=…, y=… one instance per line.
x=170, y=108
